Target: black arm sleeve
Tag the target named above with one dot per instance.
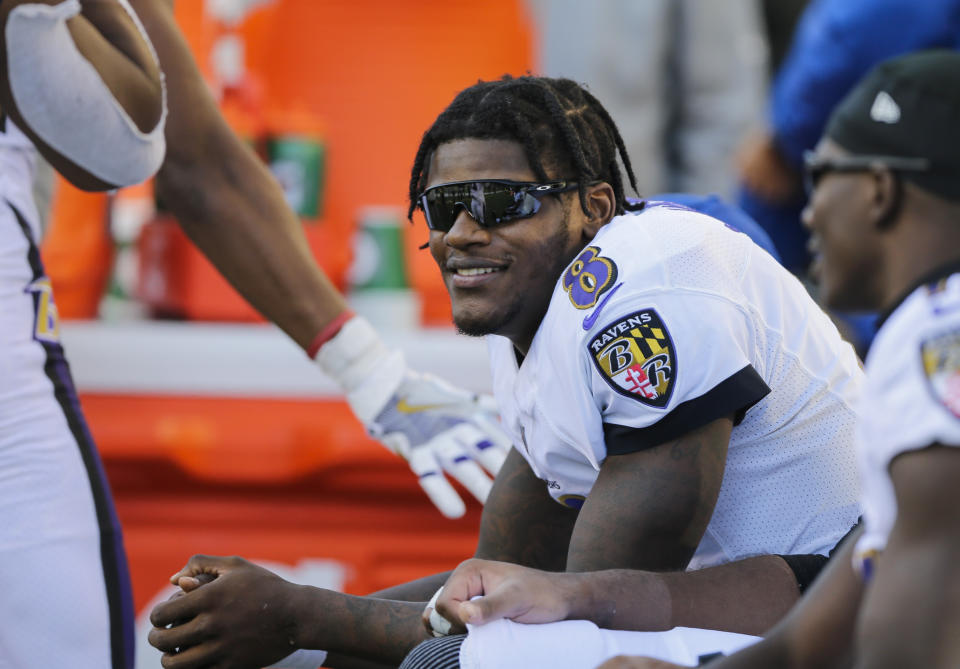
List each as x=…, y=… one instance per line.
x=733, y=395
x=807, y=567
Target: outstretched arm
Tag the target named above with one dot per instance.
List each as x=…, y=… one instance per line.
x=233, y=209
x=227, y=201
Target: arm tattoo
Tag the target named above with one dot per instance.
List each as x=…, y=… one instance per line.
x=649, y=509
x=521, y=523
x=380, y=630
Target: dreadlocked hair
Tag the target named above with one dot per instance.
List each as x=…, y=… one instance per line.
x=558, y=122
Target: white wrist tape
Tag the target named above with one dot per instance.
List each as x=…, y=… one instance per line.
x=439, y=626
x=301, y=659
x=65, y=102
x=365, y=369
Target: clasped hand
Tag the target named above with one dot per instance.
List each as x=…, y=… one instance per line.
x=210, y=626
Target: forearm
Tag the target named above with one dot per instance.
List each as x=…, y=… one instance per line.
x=236, y=215
x=420, y=590
x=415, y=595
x=377, y=630
x=748, y=597
x=227, y=201
x=818, y=632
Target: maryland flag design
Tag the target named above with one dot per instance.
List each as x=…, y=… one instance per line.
x=941, y=364
x=636, y=356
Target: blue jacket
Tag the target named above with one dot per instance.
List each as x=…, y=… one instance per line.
x=835, y=44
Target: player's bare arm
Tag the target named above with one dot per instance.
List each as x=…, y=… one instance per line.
x=108, y=38
x=102, y=41
x=816, y=634
x=521, y=523
x=664, y=498
x=909, y=615
x=226, y=200
x=233, y=209
x=621, y=598
x=649, y=509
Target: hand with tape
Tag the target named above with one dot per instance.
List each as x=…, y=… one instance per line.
x=438, y=428
x=480, y=591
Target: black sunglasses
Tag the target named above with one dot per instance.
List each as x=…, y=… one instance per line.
x=488, y=201
x=816, y=167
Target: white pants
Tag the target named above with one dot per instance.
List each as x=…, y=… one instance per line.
x=66, y=599
x=579, y=644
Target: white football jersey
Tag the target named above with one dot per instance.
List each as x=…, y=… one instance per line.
x=665, y=322
x=12, y=137
x=58, y=529
x=18, y=162
x=911, y=397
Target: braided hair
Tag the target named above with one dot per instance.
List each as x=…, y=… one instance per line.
x=558, y=122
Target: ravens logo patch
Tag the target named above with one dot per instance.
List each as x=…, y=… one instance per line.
x=636, y=356
x=941, y=364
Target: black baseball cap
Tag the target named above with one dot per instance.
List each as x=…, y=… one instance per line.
x=907, y=107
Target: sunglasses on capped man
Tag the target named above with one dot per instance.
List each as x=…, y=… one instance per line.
x=816, y=167
x=489, y=202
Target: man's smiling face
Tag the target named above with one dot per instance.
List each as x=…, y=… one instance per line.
x=501, y=278
x=844, y=235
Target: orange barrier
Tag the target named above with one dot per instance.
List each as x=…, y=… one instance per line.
x=177, y=281
x=76, y=250
x=212, y=475
x=377, y=73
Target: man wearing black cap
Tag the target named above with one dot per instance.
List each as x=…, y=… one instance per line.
x=885, y=218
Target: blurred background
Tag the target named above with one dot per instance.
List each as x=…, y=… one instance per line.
x=217, y=433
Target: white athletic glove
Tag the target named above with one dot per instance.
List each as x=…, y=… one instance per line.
x=436, y=427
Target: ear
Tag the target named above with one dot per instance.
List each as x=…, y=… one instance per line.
x=601, y=203
x=887, y=197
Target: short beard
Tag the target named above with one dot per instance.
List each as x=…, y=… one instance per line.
x=554, y=251
x=478, y=328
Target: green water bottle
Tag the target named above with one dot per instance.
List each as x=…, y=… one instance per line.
x=379, y=287
x=297, y=154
